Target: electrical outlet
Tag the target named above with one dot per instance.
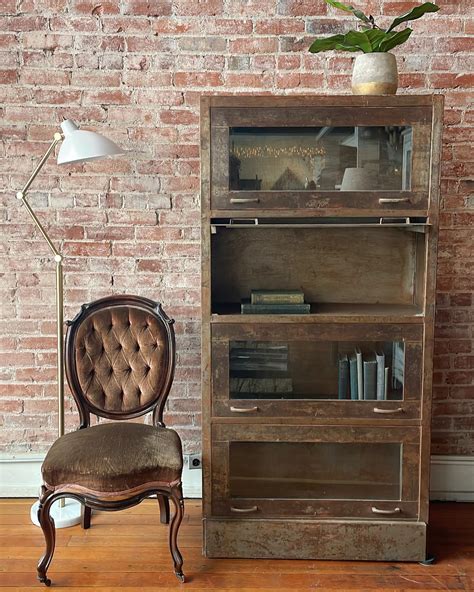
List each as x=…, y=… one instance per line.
x=194, y=461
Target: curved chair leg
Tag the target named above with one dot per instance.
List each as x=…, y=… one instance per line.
x=86, y=517
x=49, y=532
x=164, y=509
x=176, y=495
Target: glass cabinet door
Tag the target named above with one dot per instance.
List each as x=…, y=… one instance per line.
x=318, y=157
x=315, y=470
x=305, y=371
x=327, y=158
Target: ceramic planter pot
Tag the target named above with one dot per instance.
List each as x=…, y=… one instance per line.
x=375, y=74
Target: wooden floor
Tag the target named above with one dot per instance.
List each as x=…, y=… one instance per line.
x=128, y=550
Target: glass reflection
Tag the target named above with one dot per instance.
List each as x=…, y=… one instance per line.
x=315, y=470
x=316, y=370
x=370, y=158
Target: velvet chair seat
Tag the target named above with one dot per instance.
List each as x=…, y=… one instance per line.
x=113, y=458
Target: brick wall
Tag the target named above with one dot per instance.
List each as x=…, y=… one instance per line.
x=134, y=69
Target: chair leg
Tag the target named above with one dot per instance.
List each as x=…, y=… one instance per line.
x=176, y=495
x=164, y=509
x=49, y=532
x=86, y=517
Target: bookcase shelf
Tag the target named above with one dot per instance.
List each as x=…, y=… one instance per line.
x=325, y=312
x=294, y=464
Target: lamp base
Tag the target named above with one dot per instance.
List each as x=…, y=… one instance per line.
x=69, y=515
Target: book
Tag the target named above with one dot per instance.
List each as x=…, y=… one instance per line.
x=248, y=308
x=258, y=357
x=398, y=364
x=343, y=377
x=259, y=386
x=276, y=297
x=360, y=376
x=380, y=357
x=353, y=377
x=385, y=384
x=370, y=377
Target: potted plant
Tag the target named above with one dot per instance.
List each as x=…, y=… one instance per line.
x=375, y=71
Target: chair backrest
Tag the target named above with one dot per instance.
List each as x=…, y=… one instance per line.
x=120, y=358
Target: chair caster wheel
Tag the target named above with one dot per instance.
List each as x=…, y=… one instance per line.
x=180, y=576
x=45, y=581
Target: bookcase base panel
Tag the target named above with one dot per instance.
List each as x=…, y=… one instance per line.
x=303, y=539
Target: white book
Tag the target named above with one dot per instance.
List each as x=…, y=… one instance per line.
x=385, y=389
x=380, y=357
x=360, y=374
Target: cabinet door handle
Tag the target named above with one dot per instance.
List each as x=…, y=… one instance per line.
x=389, y=200
x=379, y=511
x=397, y=410
x=242, y=200
x=244, y=510
x=243, y=409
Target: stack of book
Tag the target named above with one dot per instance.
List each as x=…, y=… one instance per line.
x=259, y=369
x=363, y=377
x=275, y=302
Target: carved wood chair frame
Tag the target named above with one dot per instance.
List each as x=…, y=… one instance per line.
x=172, y=492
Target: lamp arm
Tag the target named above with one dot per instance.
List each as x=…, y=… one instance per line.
x=21, y=195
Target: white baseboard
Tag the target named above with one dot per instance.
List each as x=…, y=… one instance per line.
x=20, y=476
x=452, y=477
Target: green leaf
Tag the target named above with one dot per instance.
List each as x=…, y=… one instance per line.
x=416, y=13
x=348, y=8
x=375, y=36
x=326, y=43
x=395, y=39
x=357, y=40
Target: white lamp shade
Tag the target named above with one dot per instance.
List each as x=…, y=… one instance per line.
x=358, y=179
x=80, y=145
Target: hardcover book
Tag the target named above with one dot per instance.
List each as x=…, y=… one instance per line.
x=248, y=308
x=380, y=357
x=360, y=375
x=343, y=379
x=277, y=297
x=259, y=386
x=353, y=377
x=370, y=377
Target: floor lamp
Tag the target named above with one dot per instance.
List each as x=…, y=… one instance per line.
x=77, y=146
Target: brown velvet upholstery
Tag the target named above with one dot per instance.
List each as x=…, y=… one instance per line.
x=119, y=357
x=114, y=457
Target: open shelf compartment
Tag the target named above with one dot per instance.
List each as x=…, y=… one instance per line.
x=343, y=268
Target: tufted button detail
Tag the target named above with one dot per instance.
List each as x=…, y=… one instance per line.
x=122, y=354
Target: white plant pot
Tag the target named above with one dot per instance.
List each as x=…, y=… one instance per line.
x=375, y=74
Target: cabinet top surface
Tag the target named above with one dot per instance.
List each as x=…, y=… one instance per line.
x=322, y=100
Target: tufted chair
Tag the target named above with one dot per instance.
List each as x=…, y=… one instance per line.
x=120, y=358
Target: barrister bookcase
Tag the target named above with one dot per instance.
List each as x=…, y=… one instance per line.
x=336, y=197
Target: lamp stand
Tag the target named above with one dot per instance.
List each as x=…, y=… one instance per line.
x=65, y=513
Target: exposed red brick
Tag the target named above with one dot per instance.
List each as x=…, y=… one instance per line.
x=301, y=7
x=135, y=71
x=8, y=76
x=148, y=7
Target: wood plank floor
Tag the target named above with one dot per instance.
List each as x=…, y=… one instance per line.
x=128, y=551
